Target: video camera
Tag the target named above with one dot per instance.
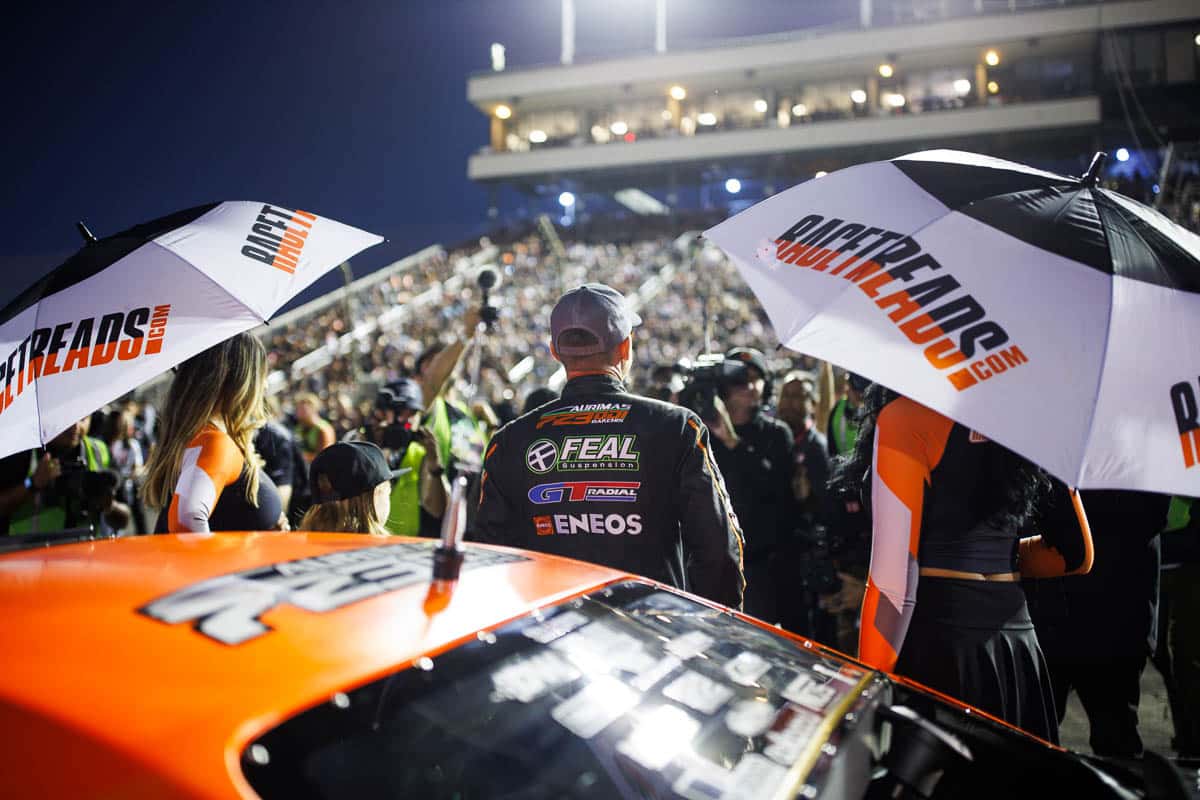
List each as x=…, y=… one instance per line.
x=708, y=374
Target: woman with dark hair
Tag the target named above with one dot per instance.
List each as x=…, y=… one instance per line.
x=944, y=604
x=205, y=474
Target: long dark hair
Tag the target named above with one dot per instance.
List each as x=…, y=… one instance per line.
x=1019, y=485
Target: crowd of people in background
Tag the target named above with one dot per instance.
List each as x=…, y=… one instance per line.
x=428, y=388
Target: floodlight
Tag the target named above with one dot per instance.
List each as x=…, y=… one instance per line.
x=820, y=173
x=566, y=199
x=799, y=110
x=760, y=106
x=503, y=111
x=1122, y=154
x=962, y=86
x=619, y=128
x=733, y=186
x=537, y=136
x=991, y=58
x=677, y=92
x=706, y=118
x=858, y=96
x=993, y=87
x=886, y=70
x=894, y=100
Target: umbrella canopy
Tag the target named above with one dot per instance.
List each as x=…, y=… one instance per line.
x=127, y=307
x=1056, y=317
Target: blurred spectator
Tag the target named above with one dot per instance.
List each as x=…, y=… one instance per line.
x=842, y=429
x=459, y=436
x=69, y=484
x=278, y=449
x=1098, y=629
x=418, y=491
x=538, y=397
x=797, y=404
x=128, y=460
x=205, y=474
x=1178, y=647
x=314, y=432
x=755, y=454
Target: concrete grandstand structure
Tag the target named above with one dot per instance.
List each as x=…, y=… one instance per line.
x=1043, y=80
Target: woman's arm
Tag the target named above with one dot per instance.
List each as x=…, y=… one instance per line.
x=1039, y=559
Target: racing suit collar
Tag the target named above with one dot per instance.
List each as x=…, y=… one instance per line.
x=584, y=385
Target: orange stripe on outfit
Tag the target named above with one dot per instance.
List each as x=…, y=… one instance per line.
x=909, y=443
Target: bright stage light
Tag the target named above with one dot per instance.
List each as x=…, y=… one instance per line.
x=894, y=100
x=733, y=186
x=991, y=58
x=537, y=136
x=677, y=92
x=858, y=96
x=503, y=112
x=706, y=118
x=963, y=87
x=566, y=199
x=760, y=106
x=1122, y=154
x=886, y=70
x=619, y=128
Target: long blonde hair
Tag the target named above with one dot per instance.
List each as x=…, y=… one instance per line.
x=356, y=515
x=226, y=382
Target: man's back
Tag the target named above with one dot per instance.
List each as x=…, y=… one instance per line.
x=613, y=478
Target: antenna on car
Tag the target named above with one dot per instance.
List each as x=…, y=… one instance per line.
x=448, y=556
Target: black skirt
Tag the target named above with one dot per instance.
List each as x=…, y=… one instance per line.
x=974, y=641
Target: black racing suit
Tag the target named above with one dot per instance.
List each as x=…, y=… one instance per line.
x=613, y=478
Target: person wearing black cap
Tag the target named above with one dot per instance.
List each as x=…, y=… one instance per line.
x=607, y=476
x=756, y=454
x=351, y=485
x=419, y=495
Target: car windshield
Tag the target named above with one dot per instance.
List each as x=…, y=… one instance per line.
x=631, y=691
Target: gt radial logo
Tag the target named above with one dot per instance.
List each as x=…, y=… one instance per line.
x=583, y=491
x=583, y=453
x=1187, y=420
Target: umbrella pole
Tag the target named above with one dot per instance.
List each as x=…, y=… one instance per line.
x=1085, y=529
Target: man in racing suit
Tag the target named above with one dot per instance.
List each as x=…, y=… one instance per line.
x=610, y=477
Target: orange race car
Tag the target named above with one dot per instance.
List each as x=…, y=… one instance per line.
x=287, y=665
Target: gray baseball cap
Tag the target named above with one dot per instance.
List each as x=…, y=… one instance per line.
x=598, y=309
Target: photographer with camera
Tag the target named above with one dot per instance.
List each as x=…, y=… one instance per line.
x=607, y=476
x=755, y=454
x=419, y=492
x=67, y=485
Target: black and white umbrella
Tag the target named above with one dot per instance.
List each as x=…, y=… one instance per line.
x=130, y=306
x=1057, y=317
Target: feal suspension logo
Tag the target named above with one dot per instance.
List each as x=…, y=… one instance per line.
x=277, y=237
x=922, y=298
x=1187, y=420
x=81, y=344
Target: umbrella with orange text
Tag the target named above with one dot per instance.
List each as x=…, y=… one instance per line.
x=129, y=306
x=1056, y=317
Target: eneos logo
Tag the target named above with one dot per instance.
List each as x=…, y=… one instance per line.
x=569, y=524
x=582, y=491
x=1187, y=419
x=583, y=453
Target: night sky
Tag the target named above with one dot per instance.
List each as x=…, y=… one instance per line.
x=121, y=112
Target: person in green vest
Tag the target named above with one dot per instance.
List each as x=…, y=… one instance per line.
x=66, y=485
x=312, y=431
x=459, y=435
x=842, y=430
x=419, y=491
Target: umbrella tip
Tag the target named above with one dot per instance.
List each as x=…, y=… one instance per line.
x=1092, y=176
x=88, y=236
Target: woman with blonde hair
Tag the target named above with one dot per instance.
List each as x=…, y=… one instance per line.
x=205, y=474
x=351, y=486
